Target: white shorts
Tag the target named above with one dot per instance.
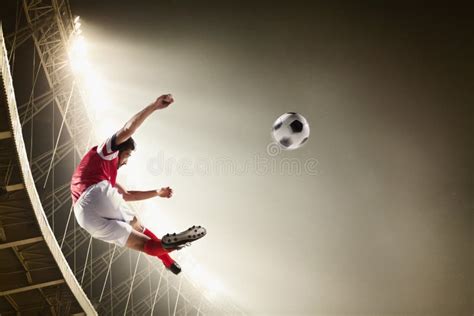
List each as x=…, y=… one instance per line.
x=102, y=212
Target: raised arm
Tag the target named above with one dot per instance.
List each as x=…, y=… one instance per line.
x=134, y=123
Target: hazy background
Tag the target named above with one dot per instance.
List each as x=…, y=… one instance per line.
x=382, y=224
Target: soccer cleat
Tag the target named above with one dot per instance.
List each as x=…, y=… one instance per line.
x=176, y=241
x=175, y=268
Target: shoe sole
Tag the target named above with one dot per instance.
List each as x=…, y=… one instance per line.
x=175, y=240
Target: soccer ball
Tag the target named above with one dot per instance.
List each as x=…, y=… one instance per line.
x=290, y=130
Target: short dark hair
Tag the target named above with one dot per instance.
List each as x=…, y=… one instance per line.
x=128, y=144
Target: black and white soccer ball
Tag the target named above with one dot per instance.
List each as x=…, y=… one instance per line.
x=290, y=130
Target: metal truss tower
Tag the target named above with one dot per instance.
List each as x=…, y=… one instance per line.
x=50, y=131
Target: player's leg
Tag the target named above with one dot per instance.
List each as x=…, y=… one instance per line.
x=173, y=241
x=141, y=242
x=136, y=241
x=123, y=235
x=137, y=225
x=165, y=258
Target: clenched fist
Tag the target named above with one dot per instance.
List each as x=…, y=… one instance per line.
x=165, y=192
x=163, y=101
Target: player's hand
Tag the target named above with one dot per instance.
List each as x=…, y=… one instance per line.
x=165, y=192
x=163, y=101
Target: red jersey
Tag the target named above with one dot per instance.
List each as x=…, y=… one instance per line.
x=100, y=163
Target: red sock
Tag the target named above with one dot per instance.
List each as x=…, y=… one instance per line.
x=150, y=234
x=167, y=260
x=154, y=248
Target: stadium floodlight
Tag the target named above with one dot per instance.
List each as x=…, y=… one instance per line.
x=89, y=82
x=77, y=54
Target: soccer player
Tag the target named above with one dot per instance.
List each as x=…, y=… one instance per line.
x=99, y=201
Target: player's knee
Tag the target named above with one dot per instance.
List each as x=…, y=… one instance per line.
x=135, y=223
x=136, y=241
